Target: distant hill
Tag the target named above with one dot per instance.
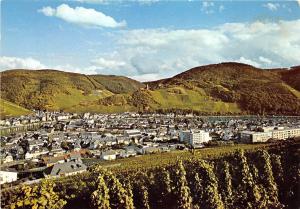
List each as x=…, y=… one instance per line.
x=8, y=109
x=118, y=84
x=291, y=77
x=58, y=90
x=225, y=88
x=253, y=90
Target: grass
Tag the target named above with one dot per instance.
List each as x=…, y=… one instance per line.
x=76, y=99
x=8, y=109
x=167, y=158
x=94, y=108
x=191, y=99
x=294, y=91
x=57, y=90
x=176, y=97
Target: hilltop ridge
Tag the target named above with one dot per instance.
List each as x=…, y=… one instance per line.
x=225, y=88
x=255, y=90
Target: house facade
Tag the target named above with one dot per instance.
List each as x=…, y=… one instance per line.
x=194, y=137
x=8, y=176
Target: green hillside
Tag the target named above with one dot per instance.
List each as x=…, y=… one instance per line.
x=166, y=99
x=179, y=97
x=291, y=77
x=118, y=84
x=57, y=90
x=253, y=90
x=8, y=109
x=226, y=88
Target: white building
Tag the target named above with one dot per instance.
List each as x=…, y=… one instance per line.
x=133, y=133
x=109, y=155
x=8, y=158
x=286, y=133
x=252, y=136
x=8, y=176
x=282, y=134
x=194, y=137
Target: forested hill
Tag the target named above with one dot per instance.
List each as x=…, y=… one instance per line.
x=254, y=90
x=58, y=90
x=291, y=77
x=257, y=176
x=226, y=88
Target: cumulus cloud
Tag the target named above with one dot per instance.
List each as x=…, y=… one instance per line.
x=91, y=1
x=111, y=64
x=48, y=11
x=166, y=52
x=150, y=54
x=248, y=61
x=143, y=2
x=272, y=6
x=7, y=63
x=221, y=8
x=207, y=7
x=265, y=60
x=82, y=16
x=146, y=77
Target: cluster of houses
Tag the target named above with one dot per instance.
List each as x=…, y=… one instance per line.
x=64, y=143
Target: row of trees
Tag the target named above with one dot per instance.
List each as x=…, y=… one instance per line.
x=195, y=183
x=252, y=180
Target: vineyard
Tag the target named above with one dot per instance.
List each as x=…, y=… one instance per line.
x=261, y=177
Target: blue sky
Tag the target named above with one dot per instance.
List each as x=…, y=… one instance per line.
x=149, y=39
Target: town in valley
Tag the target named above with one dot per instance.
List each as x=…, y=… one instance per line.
x=57, y=144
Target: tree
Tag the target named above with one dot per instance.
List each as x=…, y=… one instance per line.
x=211, y=197
x=248, y=195
x=129, y=194
x=163, y=183
x=40, y=196
x=118, y=195
x=100, y=197
x=279, y=177
x=197, y=190
x=263, y=201
x=227, y=193
x=182, y=191
x=145, y=197
x=268, y=180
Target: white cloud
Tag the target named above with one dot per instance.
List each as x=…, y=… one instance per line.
x=91, y=1
x=7, y=63
x=149, y=54
x=111, y=64
x=145, y=2
x=272, y=6
x=146, y=77
x=166, y=52
x=298, y=2
x=248, y=61
x=207, y=7
x=265, y=60
x=82, y=16
x=142, y=2
x=47, y=11
x=221, y=8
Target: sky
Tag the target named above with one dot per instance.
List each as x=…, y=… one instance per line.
x=147, y=39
